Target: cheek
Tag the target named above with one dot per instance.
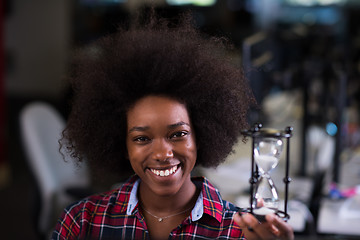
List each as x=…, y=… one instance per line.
x=191, y=148
x=192, y=143
x=131, y=148
x=132, y=153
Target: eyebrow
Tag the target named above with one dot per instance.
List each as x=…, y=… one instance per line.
x=142, y=129
x=138, y=129
x=175, y=125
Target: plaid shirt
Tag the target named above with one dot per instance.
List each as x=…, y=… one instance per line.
x=116, y=215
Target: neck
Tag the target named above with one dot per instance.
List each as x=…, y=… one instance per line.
x=168, y=204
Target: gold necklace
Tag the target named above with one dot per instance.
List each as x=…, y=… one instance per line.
x=160, y=219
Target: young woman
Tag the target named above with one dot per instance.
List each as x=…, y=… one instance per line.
x=159, y=99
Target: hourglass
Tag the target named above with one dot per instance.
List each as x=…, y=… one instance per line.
x=267, y=146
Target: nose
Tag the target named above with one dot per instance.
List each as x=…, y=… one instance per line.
x=162, y=150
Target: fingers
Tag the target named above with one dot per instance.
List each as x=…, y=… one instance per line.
x=239, y=220
x=251, y=227
x=256, y=229
x=273, y=228
x=280, y=228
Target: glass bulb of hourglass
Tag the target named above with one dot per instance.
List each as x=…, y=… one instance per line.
x=266, y=154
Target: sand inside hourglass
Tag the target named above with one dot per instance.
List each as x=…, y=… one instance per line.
x=263, y=211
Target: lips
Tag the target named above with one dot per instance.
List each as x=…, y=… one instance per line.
x=164, y=172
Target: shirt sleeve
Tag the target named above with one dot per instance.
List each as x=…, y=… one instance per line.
x=67, y=226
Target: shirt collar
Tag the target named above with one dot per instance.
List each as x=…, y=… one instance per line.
x=209, y=201
x=133, y=200
x=212, y=201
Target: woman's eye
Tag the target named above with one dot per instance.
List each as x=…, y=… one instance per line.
x=141, y=139
x=179, y=134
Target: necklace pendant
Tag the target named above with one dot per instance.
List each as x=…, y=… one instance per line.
x=160, y=219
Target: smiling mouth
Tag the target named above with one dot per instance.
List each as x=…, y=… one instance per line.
x=164, y=172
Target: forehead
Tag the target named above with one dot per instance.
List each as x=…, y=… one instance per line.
x=157, y=108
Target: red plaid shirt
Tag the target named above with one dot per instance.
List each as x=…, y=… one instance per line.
x=116, y=215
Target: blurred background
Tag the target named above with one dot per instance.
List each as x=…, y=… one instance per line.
x=302, y=59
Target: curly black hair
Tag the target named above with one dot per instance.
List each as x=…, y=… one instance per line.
x=156, y=58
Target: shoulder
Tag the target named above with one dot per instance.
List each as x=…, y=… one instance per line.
x=117, y=198
x=94, y=203
x=93, y=210
x=230, y=208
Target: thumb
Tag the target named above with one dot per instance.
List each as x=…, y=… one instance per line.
x=238, y=219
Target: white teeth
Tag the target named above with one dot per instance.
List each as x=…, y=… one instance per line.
x=165, y=173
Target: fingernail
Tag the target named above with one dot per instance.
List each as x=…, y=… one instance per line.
x=246, y=217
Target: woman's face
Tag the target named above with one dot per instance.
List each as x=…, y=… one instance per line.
x=161, y=144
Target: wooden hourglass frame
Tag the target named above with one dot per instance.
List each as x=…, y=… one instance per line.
x=257, y=133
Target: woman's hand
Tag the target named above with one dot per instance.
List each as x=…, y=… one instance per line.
x=272, y=228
